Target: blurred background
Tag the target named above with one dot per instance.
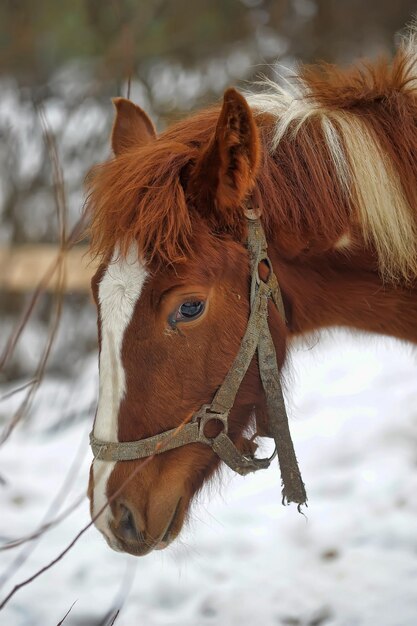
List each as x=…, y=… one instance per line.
x=60, y=64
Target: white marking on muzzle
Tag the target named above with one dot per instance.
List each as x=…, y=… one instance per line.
x=118, y=292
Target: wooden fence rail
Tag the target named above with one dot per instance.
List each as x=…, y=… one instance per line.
x=23, y=267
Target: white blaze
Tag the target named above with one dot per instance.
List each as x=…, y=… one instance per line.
x=118, y=293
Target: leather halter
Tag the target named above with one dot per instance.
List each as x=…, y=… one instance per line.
x=257, y=337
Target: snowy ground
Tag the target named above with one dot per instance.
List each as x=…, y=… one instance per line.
x=244, y=559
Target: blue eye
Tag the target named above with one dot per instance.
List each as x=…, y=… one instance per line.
x=189, y=310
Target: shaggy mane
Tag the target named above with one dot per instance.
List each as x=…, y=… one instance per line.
x=339, y=164
x=343, y=156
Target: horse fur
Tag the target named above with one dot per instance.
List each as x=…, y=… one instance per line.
x=331, y=165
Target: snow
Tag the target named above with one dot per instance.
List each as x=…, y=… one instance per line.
x=244, y=559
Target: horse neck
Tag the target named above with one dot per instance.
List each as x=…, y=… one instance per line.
x=340, y=215
x=329, y=291
x=329, y=275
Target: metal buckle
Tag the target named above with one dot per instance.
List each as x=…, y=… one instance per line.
x=252, y=214
x=266, y=460
x=203, y=416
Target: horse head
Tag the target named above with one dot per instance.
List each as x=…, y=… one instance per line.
x=172, y=294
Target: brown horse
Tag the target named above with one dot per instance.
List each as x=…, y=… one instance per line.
x=331, y=164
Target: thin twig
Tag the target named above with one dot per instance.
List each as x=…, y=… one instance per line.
x=12, y=392
x=121, y=596
x=116, y=615
x=61, y=555
x=66, y=614
x=46, y=525
x=40, y=370
x=57, y=267
x=15, y=543
x=46, y=567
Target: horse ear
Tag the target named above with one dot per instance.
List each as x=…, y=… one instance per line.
x=132, y=127
x=226, y=171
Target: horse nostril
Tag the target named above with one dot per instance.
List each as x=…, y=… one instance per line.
x=126, y=528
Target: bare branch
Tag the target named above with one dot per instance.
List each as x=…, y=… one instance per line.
x=11, y=393
x=58, y=268
x=116, y=615
x=121, y=596
x=47, y=525
x=66, y=614
x=15, y=543
x=61, y=555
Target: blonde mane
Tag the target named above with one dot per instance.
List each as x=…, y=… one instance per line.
x=367, y=116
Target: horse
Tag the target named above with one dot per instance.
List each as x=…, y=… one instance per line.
x=324, y=166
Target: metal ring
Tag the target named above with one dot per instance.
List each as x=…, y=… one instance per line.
x=252, y=214
x=204, y=416
x=265, y=458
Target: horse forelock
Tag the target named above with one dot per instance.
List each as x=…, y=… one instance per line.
x=140, y=197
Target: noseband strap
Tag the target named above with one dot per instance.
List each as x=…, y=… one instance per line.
x=257, y=337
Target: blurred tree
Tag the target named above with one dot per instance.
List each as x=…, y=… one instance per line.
x=36, y=38
x=68, y=57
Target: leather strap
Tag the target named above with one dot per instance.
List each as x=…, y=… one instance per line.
x=257, y=337
x=192, y=432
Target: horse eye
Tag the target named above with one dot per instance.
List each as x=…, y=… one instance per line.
x=189, y=310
